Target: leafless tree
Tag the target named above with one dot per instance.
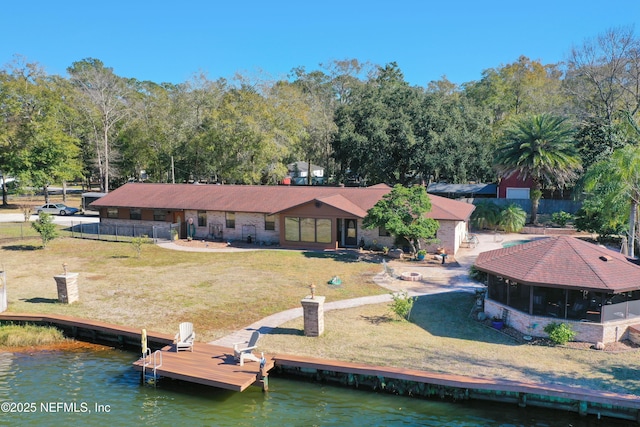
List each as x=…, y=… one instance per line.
x=603, y=75
x=105, y=104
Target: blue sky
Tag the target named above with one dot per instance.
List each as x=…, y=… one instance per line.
x=166, y=41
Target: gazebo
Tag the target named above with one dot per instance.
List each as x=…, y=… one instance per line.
x=563, y=279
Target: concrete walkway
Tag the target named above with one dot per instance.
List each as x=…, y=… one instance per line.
x=435, y=279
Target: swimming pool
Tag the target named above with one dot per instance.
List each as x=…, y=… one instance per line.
x=514, y=243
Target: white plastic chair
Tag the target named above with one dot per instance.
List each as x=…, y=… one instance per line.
x=244, y=350
x=185, y=338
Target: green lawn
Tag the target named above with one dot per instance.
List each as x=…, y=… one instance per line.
x=224, y=292
x=218, y=292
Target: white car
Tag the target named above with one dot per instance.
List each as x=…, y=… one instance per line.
x=57, y=209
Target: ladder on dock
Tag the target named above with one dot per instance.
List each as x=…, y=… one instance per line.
x=151, y=362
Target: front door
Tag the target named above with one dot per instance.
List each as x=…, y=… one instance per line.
x=347, y=235
x=350, y=233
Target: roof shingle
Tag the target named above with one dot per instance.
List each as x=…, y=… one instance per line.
x=264, y=199
x=563, y=262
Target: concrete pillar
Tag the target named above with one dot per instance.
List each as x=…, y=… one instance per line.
x=67, y=287
x=313, y=312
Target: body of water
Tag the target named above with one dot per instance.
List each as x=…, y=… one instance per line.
x=90, y=388
x=514, y=243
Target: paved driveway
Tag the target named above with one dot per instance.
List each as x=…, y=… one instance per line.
x=62, y=220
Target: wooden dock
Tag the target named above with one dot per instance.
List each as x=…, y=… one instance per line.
x=209, y=365
x=215, y=366
x=413, y=382
x=91, y=330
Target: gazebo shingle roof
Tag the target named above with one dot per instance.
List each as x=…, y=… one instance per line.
x=563, y=262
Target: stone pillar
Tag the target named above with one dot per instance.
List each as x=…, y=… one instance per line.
x=313, y=311
x=67, y=287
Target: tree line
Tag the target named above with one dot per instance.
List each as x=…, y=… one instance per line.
x=362, y=122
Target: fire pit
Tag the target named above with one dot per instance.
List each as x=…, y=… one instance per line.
x=411, y=276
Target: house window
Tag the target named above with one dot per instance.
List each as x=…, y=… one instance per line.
x=159, y=215
x=307, y=230
x=292, y=229
x=269, y=222
x=135, y=213
x=230, y=219
x=323, y=230
x=383, y=232
x=202, y=218
x=112, y=212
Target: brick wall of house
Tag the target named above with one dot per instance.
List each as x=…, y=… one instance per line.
x=447, y=237
x=450, y=235
x=245, y=223
x=372, y=238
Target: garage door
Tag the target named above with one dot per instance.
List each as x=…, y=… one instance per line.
x=517, y=193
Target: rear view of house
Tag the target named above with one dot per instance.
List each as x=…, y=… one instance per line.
x=309, y=217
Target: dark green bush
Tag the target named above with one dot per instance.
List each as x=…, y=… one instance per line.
x=402, y=305
x=477, y=275
x=560, y=333
x=561, y=218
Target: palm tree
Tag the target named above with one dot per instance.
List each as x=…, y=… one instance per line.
x=512, y=218
x=540, y=147
x=485, y=215
x=616, y=181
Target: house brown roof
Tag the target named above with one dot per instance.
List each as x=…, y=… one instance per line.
x=264, y=199
x=563, y=262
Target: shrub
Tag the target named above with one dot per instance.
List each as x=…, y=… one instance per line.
x=560, y=333
x=402, y=304
x=46, y=228
x=137, y=243
x=477, y=275
x=512, y=218
x=485, y=215
x=561, y=218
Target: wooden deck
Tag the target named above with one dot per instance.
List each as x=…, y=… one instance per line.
x=208, y=364
x=460, y=381
x=215, y=366
x=92, y=330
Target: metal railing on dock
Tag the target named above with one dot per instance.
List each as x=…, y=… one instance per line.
x=151, y=360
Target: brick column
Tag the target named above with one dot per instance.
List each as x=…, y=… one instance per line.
x=313, y=312
x=67, y=287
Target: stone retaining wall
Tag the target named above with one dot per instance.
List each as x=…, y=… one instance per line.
x=590, y=332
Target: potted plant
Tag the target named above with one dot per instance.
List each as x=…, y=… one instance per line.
x=421, y=254
x=497, y=323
